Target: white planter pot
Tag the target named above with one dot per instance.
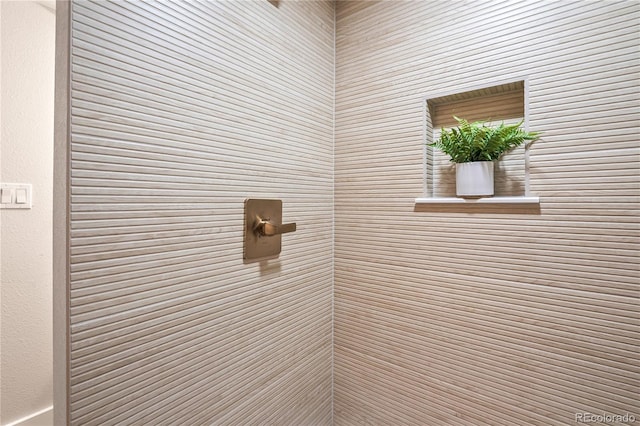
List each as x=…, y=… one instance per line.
x=474, y=179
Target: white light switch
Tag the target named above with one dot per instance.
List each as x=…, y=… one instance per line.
x=21, y=196
x=15, y=195
x=6, y=195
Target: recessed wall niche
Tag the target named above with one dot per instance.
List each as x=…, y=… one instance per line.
x=501, y=102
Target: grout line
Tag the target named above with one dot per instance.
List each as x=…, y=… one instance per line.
x=333, y=222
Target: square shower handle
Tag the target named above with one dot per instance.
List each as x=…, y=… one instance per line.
x=263, y=229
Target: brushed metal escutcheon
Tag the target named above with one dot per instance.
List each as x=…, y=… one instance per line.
x=263, y=229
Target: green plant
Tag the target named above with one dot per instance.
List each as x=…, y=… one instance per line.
x=479, y=142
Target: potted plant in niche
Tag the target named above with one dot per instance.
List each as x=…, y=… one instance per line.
x=474, y=147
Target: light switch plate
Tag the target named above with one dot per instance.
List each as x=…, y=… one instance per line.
x=20, y=195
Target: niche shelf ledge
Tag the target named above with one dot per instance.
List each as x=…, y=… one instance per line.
x=529, y=200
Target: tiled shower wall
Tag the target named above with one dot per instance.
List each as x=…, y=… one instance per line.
x=180, y=111
x=470, y=316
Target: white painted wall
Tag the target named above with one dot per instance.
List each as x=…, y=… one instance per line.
x=26, y=156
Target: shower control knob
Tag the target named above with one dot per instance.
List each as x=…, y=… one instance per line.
x=269, y=229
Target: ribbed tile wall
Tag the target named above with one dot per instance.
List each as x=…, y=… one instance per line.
x=180, y=111
x=498, y=315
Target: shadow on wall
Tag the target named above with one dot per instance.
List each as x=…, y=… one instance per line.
x=469, y=207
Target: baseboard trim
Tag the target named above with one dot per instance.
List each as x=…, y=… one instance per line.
x=32, y=419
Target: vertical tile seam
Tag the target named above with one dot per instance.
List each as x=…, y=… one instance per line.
x=333, y=219
x=69, y=77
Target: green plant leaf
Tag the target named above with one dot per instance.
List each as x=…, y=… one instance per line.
x=479, y=142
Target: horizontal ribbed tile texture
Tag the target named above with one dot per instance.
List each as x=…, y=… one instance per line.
x=180, y=111
x=492, y=315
